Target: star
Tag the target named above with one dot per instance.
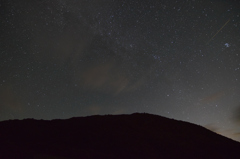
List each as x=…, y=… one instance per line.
x=227, y=44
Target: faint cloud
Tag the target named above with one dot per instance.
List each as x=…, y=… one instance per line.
x=236, y=115
x=213, y=128
x=218, y=95
x=237, y=134
x=97, y=109
x=106, y=77
x=230, y=133
x=94, y=109
x=119, y=111
x=97, y=76
x=213, y=97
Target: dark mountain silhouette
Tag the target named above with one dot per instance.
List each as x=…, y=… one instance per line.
x=113, y=136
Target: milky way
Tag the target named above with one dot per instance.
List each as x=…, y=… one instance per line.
x=179, y=59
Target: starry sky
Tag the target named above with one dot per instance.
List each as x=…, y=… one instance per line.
x=67, y=58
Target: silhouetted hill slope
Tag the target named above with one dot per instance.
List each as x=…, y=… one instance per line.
x=113, y=136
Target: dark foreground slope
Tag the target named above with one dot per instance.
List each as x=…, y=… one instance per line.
x=112, y=136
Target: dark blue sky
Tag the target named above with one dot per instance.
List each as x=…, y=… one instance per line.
x=179, y=59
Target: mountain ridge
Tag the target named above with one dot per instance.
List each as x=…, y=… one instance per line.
x=139, y=135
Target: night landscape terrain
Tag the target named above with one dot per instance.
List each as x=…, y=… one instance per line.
x=66, y=64
x=138, y=135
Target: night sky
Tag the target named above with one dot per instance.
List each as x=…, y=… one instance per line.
x=67, y=58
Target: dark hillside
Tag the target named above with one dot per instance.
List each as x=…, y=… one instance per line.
x=112, y=136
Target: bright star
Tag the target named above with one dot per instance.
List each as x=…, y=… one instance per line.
x=227, y=44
